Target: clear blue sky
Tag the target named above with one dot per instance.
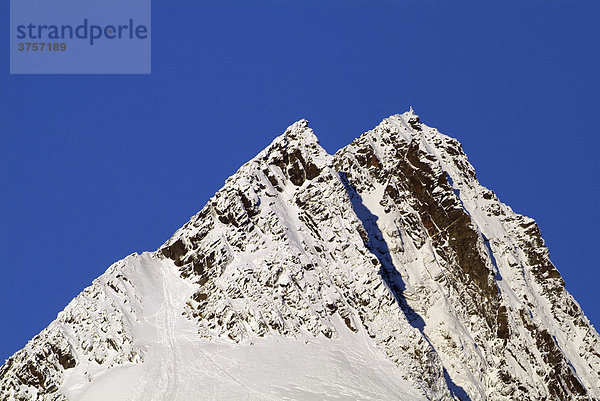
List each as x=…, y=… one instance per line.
x=93, y=168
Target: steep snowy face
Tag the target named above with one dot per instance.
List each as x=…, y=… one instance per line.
x=471, y=274
x=385, y=271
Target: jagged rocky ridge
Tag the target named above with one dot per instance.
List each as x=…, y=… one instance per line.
x=391, y=240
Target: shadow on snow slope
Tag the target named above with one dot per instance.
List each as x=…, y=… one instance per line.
x=393, y=280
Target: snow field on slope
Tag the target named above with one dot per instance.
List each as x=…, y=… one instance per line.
x=179, y=365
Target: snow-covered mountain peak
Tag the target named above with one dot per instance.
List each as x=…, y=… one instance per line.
x=384, y=271
x=299, y=134
x=298, y=129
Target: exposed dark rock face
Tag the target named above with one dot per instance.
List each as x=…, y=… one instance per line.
x=392, y=238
